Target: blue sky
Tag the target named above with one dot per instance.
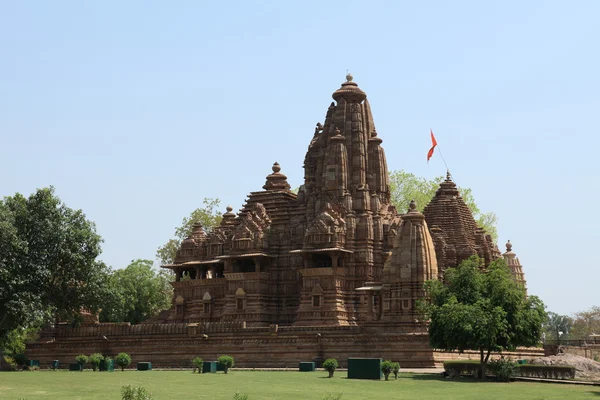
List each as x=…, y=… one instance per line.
x=135, y=111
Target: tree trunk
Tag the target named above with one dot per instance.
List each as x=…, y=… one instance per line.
x=225, y=370
x=330, y=374
x=3, y=364
x=482, y=364
x=386, y=376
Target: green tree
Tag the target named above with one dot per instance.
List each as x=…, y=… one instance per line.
x=226, y=362
x=557, y=327
x=81, y=359
x=95, y=359
x=405, y=187
x=208, y=215
x=138, y=293
x=387, y=367
x=482, y=310
x=123, y=360
x=48, y=265
x=198, y=364
x=586, y=323
x=330, y=365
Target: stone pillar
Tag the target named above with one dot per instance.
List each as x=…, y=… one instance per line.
x=256, y=264
x=177, y=274
x=370, y=306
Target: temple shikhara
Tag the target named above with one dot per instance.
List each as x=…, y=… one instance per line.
x=334, y=270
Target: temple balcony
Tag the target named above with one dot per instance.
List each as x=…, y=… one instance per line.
x=198, y=282
x=246, y=276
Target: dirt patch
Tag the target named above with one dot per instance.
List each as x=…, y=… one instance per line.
x=585, y=368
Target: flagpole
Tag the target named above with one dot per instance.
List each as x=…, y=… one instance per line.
x=435, y=144
x=440, y=150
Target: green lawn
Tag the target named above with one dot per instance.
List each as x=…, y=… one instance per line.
x=63, y=385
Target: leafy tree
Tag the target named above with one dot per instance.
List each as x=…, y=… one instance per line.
x=139, y=292
x=198, y=364
x=81, y=359
x=330, y=365
x=48, y=265
x=586, y=323
x=387, y=367
x=208, y=215
x=225, y=362
x=405, y=187
x=123, y=360
x=557, y=327
x=95, y=359
x=396, y=369
x=482, y=310
x=14, y=341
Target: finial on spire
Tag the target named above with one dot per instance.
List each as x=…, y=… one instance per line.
x=508, y=246
x=412, y=207
x=349, y=77
x=276, y=180
x=229, y=209
x=448, y=175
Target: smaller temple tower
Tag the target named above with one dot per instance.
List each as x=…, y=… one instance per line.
x=454, y=230
x=412, y=263
x=514, y=265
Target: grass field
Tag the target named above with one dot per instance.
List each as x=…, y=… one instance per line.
x=63, y=385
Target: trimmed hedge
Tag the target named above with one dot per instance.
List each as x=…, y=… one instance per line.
x=546, y=371
x=471, y=367
x=462, y=367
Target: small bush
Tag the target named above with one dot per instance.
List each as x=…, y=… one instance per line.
x=504, y=369
x=330, y=366
x=198, y=363
x=239, y=396
x=11, y=364
x=135, y=393
x=104, y=366
x=81, y=359
x=123, y=360
x=387, y=368
x=95, y=359
x=20, y=359
x=456, y=368
x=396, y=369
x=225, y=362
x=597, y=358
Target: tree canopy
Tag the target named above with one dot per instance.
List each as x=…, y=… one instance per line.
x=482, y=310
x=208, y=215
x=48, y=263
x=586, y=323
x=405, y=187
x=557, y=326
x=138, y=292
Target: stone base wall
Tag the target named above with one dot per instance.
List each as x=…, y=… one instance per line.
x=271, y=347
x=590, y=351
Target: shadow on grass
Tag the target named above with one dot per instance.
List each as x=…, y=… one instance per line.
x=441, y=378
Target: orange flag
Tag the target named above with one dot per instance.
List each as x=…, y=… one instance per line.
x=433, y=144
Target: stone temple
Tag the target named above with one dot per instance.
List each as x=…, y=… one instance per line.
x=332, y=271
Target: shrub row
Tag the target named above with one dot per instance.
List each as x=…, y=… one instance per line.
x=505, y=369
